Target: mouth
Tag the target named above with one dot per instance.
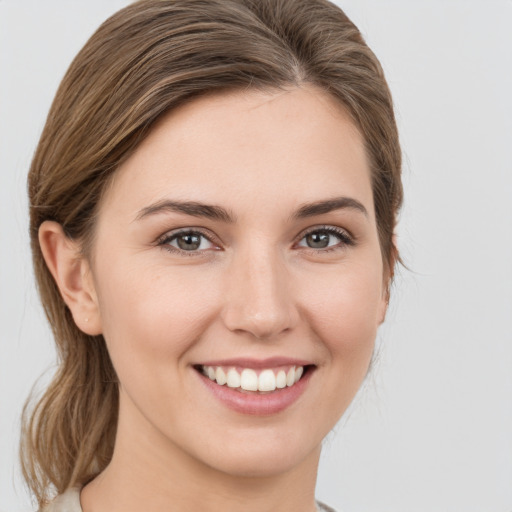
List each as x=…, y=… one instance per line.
x=256, y=388
x=252, y=380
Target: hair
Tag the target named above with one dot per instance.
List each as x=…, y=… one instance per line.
x=144, y=61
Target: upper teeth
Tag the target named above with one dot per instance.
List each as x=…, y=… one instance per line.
x=249, y=380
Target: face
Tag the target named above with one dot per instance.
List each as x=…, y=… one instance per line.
x=239, y=243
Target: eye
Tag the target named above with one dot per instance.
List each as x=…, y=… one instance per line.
x=328, y=237
x=187, y=241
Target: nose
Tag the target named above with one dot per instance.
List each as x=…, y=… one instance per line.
x=259, y=297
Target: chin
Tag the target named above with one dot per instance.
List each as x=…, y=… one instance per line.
x=258, y=465
x=251, y=456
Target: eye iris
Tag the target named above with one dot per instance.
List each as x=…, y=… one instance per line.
x=318, y=240
x=189, y=242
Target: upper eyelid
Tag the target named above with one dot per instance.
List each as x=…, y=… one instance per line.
x=345, y=239
x=164, y=242
x=183, y=231
x=325, y=227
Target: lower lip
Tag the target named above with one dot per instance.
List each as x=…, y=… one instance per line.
x=257, y=404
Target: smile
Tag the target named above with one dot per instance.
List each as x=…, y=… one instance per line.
x=252, y=387
x=248, y=379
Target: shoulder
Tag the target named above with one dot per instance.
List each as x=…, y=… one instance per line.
x=69, y=501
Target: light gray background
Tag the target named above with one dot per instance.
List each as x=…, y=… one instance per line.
x=432, y=432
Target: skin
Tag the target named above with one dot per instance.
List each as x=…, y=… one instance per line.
x=254, y=290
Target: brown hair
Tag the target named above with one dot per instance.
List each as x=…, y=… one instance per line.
x=149, y=58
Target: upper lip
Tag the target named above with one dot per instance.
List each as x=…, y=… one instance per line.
x=247, y=362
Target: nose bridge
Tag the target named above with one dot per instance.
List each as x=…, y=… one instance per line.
x=259, y=299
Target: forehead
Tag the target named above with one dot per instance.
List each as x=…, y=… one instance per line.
x=280, y=147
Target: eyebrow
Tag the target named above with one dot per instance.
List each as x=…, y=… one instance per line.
x=322, y=207
x=192, y=208
x=196, y=209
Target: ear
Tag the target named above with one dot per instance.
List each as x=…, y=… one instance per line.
x=388, y=278
x=73, y=276
x=383, y=306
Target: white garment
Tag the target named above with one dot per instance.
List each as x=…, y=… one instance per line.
x=66, y=502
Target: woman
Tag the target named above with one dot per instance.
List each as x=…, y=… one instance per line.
x=212, y=202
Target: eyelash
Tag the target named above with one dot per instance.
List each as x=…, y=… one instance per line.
x=166, y=239
x=346, y=240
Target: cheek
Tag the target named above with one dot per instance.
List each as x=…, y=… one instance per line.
x=345, y=310
x=342, y=310
x=153, y=313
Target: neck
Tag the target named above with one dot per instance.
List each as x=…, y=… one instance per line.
x=151, y=473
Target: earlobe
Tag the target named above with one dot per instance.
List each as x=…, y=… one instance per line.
x=72, y=274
